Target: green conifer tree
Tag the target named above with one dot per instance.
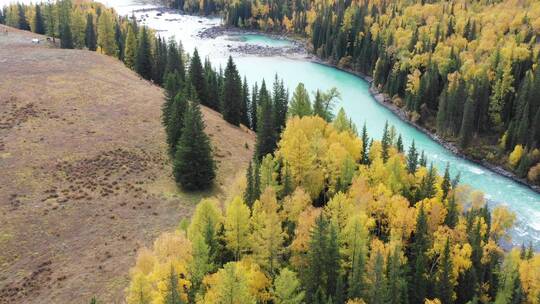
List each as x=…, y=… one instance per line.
x=196, y=75
x=266, y=137
x=444, y=287
x=39, y=23
x=412, y=159
x=143, y=60
x=231, y=94
x=194, y=167
x=418, y=262
x=90, y=39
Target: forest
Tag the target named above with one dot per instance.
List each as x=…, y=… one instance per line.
x=339, y=221
x=466, y=70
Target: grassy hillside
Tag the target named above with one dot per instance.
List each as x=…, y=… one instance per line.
x=85, y=179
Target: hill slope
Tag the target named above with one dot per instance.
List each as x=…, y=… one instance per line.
x=85, y=176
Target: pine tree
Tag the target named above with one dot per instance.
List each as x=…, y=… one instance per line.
x=143, y=59
x=281, y=102
x=446, y=183
x=444, y=286
x=231, y=94
x=196, y=75
x=90, y=34
x=51, y=21
x=22, y=21
x=249, y=195
x=467, y=125
x=175, y=61
x=266, y=137
x=423, y=160
x=193, y=161
x=64, y=16
x=399, y=144
x=253, y=107
x=397, y=283
x=244, y=116
x=323, y=261
x=131, y=47
x=39, y=23
x=451, y=218
x=176, y=113
x=418, y=260
x=412, y=159
x=378, y=288
x=364, y=159
x=385, y=143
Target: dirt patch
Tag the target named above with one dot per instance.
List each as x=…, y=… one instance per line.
x=86, y=180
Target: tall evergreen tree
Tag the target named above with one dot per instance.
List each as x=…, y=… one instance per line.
x=397, y=283
x=194, y=167
x=249, y=192
x=444, y=287
x=385, y=143
x=379, y=288
x=39, y=23
x=364, y=159
x=231, y=94
x=418, y=262
x=266, y=137
x=143, y=60
x=90, y=39
x=175, y=121
x=467, y=125
x=300, y=102
x=412, y=159
x=253, y=107
x=446, y=183
x=196, y=76
x=281, y=102
x=244, y=116
x=64, y=17
x=22, y=21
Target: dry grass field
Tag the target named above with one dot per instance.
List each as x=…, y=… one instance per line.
x=84, y=176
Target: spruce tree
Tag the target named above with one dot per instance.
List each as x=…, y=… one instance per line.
x=249, y=195
x=399, y=144
x=253, y=107
x=22, y=22
x=172, y=88
x=364, y=159
x=196, y=76
x=214, y=87
x=418, y=262
x=379, y=288
x=266, y=137
x=120, y=40
x=281, y=103
x=467, y=125
x=385, y=143
x=39, y=23
x=446, y=183
x=90, y=39
x=397, y=283
x=175, y=61
x=244, y=113
x=143, y=60
x=231, y=94
x=444, y=287
x=194, y=167
x=175, y=121
x=300, y=102
x=64, y=16
x=412, y=159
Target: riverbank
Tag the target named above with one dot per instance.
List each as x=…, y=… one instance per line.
x=386, y=102
x=302, y=52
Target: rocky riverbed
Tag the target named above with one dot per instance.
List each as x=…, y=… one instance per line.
x=295, y=48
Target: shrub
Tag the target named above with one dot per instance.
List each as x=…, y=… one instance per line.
x=515, y=156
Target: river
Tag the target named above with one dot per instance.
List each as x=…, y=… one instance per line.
x=356, y=100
